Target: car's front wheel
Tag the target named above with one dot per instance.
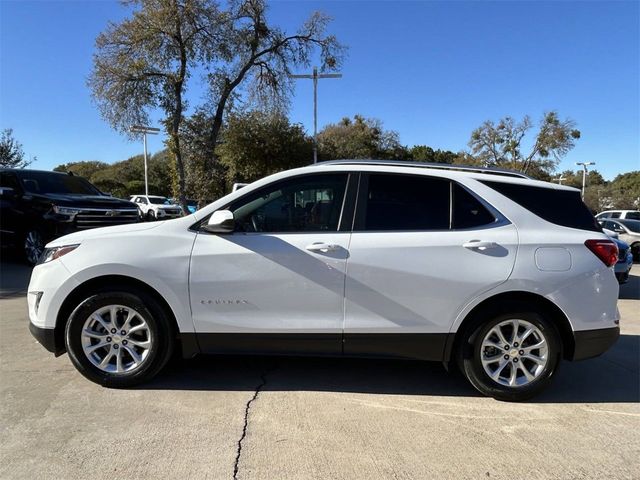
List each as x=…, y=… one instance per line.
x=511, y=356
x=119, y=338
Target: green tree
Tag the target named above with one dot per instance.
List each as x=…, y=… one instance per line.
x=206, y=176
x=146, y=61
x=85, y=169
x=423, y=153
x=11, y=153
x=360, y=138
x=574, y=178
x=624, y=191
x=256, y=144
x=501, y=144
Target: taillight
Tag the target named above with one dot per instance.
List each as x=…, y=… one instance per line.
x=605, y=250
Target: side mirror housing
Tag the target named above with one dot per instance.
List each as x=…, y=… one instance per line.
x=221, y=221
x=7, y=192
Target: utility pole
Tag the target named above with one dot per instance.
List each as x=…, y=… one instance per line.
x=560, y=179
x=144, y=131
x=584, y=174
x=315, y=76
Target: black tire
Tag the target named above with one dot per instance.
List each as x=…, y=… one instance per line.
x=33, y=243
x=470, y=351
x=160, y=328
x=635, y=251
x=151, y=216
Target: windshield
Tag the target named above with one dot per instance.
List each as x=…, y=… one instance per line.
x=160, y=201
x=633, y=225
x=46, y=182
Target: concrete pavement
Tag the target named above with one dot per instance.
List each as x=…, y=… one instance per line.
x=276, y=418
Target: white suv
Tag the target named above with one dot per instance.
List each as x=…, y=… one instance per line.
x=627, y=214
x=471, y=266
x=154, y=207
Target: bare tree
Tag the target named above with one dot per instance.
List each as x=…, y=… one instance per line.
x=502, y=144
x=261, y=57
x=146, y=61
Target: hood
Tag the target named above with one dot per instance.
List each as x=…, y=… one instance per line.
x=79, y=237
x=86, y=201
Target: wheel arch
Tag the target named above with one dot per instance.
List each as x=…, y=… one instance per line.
x=505, y=301
x=126, y=283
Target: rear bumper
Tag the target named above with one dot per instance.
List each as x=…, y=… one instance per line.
x=47, y=338
x=591, y=343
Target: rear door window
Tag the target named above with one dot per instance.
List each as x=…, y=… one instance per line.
x=405, y=203
x=468, y=211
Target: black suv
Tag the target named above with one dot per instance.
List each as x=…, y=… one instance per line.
x=38, y=206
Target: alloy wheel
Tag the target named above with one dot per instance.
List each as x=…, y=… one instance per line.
x=33, y=246
x=116, y=339
x=514, y=353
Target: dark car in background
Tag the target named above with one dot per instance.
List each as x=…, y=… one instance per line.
x=625, y=261
x=38, y=206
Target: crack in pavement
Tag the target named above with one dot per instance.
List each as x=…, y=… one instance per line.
x=263, y=378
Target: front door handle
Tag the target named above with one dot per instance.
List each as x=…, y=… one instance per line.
x=479, y=245
x=323, y=247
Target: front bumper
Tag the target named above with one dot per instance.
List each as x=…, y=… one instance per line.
x=592, y=343
x=48, y=339
x=164, y=214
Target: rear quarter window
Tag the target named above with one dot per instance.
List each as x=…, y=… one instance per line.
x=561, y=207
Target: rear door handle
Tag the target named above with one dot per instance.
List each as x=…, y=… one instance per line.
x=323, y=247
x=479, y=245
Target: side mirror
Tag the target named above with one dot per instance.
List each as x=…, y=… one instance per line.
x=7, y=192
x=610, y=233
x=221, y=221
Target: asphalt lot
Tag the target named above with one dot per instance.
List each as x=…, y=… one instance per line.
x=277, y=418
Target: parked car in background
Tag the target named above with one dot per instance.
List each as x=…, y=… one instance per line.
x=625, y=261
x=468, y=265
x=628, y=231
x=625, y=214
x=154, y=207
x=38, y=206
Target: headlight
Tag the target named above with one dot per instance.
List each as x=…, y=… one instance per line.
x=55, y=252
x=65, y=210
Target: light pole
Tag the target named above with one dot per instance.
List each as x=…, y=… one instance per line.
x=560, y=179
x=315, y=76
x=584, y=174
x=144, y=131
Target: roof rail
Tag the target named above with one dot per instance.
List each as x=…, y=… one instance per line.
x=436, y=166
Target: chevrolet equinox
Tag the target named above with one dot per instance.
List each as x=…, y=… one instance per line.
x=490, y=270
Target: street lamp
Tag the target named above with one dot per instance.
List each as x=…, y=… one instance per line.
x=315, y=76
x=584, y=174
x=560, y=179
x=144, y=131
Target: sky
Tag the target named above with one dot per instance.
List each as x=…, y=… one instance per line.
x=432, y=71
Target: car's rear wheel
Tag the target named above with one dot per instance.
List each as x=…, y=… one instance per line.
x=33, y=246
x=119, y=339
x=511, y=356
